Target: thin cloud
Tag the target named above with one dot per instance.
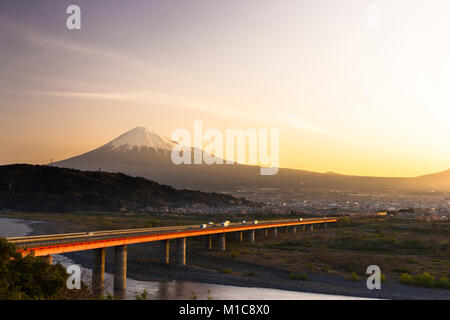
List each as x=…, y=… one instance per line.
x=297, y=122
x=150, y=97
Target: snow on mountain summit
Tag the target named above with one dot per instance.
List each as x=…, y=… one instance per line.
x=141, y=137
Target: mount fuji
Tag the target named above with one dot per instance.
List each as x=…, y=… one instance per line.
x=137, y=147
x=143, y=153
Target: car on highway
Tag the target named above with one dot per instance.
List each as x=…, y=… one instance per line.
x=225, y=223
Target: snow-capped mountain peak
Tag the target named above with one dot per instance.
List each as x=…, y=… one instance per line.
x=141, y=137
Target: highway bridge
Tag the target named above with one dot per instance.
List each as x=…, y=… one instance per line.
x=48, y=245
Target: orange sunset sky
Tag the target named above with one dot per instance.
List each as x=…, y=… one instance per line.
x=345, y=96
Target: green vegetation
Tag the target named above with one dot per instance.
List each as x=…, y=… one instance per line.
x=326, y=268
x=352, y=277
x=227, y=271
x=234, y=254
x=295, y=276
x=31, y=278
x=425, y=280
x=399, y=245
x=396, y=244
x=142, y=296
x=51, y=189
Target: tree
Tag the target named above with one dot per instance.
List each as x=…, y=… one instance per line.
x=28, y=277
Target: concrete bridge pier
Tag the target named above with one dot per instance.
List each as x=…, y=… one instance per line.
x=251, y=236
x=208, y=242
x=274, y=233
x=311, y=227
x=98, y=272
x=120, y=267
x=303, y=227
x=266, y=233
x=325, y=225
x=293, y=229
x=222, y=246
x=164, y=251
x=239, y=236
x=181, y=251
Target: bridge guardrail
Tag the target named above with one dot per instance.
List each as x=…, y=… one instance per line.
x=63, y=239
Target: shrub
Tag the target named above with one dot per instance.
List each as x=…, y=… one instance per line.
x=234, y=254
x=142, y=296
x=226, y=271
x=29, y=278
x=443, y=282
x=352, y=277
x=424, y=280
x=295, y=276
x=406, y=278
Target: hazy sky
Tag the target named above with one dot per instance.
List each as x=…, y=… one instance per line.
x=351, y=91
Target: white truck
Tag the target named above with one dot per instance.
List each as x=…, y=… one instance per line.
x=225, y=223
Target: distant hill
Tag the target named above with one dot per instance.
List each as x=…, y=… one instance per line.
x=437, y=181
x=142, y=152
x=50, y=189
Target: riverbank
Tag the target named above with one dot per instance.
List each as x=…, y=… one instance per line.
x=245, y=265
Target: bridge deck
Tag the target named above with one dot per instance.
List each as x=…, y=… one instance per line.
x=60, y=243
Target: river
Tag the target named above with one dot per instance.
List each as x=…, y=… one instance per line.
x=174, y=290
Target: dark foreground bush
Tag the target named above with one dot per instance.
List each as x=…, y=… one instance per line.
x=30, y=278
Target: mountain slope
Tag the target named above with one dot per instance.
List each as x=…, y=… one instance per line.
x=44, y=188
x=141, y=152
x=438, y=181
